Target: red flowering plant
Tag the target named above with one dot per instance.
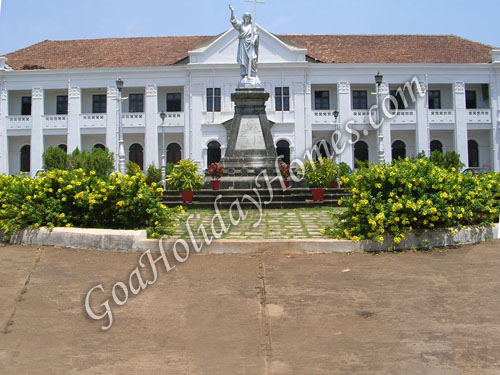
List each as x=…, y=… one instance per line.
x=215, y=171
x=285, y=171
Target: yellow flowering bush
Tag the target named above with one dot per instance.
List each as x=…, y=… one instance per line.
x=413, y=195
x=78, y=199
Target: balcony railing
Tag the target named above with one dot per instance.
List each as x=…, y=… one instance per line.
x=404, y=117
x=55, y=122
x=93, y=120
x=479, y=116
x=133, y=120
x=323, y=117
x=18, y=122
x=362, y=116
x=173, y=119
x=441, y=116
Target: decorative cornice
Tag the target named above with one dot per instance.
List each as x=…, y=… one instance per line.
x=459, y=87
x=74, y=92
x=37, y=93
x=344, y=88
x=151, y=90
x=112, y=91
x=384, y=88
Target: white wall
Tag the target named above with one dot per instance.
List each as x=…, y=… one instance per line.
x=15, y=144
x=408, y=137
x=483, y=138
x=15, y=101
x=50, y=104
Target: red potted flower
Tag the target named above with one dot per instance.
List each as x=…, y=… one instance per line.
x=216, y=172
x=285, y=173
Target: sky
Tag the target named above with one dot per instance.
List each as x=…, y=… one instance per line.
x=26, y=22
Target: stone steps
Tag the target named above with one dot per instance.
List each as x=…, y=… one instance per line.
x=291, y=198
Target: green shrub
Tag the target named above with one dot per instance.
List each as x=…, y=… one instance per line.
x=319, y=174
x=449, y=160
x=344, y=169
x=78, y=199
x=55, y=158
x=153, y=175
x=414, y=195
x=168, y=168
x=100, y=161
x=185, y=176
x=132, y=168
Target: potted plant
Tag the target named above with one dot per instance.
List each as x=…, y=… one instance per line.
x=185, y=178
x=319, y=175
x=285, y=173
x=216, y=172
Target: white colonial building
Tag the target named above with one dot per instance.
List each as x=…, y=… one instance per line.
x=63, y=93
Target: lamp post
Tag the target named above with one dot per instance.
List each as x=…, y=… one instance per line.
x=121, y=148
x=381, y=152
x=163, y=159
x=336, y=116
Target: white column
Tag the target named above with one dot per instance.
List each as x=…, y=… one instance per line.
x=422, y=131
x=303, y=128
x=187, y=123
x=461, y=137
x=386, y=127
x=74, y=111
x=37, y=111
x=195, y=133
x=151, y=132
x=344, y=108
x=112, y=122
x=4, y=143
x=495, y=132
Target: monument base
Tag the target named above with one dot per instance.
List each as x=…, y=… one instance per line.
x=250, y=147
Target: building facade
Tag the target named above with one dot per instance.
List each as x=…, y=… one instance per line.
x=63, y=93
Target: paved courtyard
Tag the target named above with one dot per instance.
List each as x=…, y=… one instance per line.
x=296, y=223
x=277, y=313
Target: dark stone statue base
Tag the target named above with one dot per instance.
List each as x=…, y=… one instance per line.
x=250, y=146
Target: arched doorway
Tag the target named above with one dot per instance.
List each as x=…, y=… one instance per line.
x=398, y=150
x=25, y=158
x=325, y=149
x=361, y=152
x=100, y=146
x=473, y=153
x=63, y=147
x=136, y=154
x=436, y=146
x=173, y=153
x=213, y=152
x=283, y=148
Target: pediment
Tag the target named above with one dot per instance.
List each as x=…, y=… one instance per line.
x=222, y=50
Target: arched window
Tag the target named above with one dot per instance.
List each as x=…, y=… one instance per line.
x=325, y=149
x=63, y=147
x=99, y=145
x=398, y=150
x=361, y=152
x=25, y=158
x=213, y=152
x=436, y=146
x=283, y=148
x=136, y=154
x=173, y=153
x=473, y=154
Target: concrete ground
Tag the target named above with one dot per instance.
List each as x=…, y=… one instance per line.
x=408, y=313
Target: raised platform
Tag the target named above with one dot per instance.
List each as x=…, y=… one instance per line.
x=290, y=198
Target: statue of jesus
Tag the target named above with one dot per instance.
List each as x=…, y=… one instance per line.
x=248, y=49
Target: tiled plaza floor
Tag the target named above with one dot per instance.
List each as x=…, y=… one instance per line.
x=274, y=224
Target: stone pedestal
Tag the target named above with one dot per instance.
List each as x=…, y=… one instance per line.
x=250, y=147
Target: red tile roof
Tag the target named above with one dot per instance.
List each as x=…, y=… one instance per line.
x=164, y=51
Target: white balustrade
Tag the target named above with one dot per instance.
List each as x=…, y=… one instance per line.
x=479, y=116
x=133, y=119
x=441, y=116
x=55, y=122
x=93, y=120
x=403, y=117
x=323, y=117
x=19, y=122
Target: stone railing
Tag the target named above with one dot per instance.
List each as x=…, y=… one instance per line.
x=478, y=116
x=93, y=120
x=133, y=119
x=441, y=116
x=19, y=122
x=323, y=117
x=55, y=122
x=172, y=119
x=405, y=116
